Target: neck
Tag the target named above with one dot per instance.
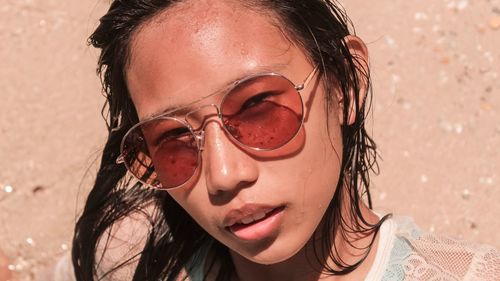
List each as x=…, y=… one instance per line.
x=306, y=266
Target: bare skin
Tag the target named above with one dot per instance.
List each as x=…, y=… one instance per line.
x=192, y=50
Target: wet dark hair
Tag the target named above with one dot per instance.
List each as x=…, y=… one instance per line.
x=318, y=27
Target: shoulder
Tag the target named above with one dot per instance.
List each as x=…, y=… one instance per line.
x=417, y=255
x=117, y=253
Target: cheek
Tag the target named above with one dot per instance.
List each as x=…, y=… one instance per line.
x=196, y=204
x=320, y=178
x=323, y=149
x=322, y=160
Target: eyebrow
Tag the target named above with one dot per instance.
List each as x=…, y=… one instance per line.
x=181, y=109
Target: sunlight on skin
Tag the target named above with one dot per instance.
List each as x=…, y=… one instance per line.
x=206, y=59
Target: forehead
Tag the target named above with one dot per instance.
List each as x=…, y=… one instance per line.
x=195, y=48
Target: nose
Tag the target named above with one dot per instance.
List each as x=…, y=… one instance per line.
x=227, y=167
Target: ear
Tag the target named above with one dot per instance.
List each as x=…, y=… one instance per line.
x=359, y=53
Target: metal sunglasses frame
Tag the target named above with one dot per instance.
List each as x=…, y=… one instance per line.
x=200, y=133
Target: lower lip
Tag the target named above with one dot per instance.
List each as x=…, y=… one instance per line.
x=260, y=229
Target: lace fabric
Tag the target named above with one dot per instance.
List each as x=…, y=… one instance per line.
x=416, y=255
x=404, y=253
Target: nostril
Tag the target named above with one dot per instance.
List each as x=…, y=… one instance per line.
x=236, y=188
x=221, y=196
x=245, y=184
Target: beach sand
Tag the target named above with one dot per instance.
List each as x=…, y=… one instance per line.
x=435, y=116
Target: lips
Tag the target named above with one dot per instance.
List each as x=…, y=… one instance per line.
x=252, y=218
x=246, y=214
x=254, y=222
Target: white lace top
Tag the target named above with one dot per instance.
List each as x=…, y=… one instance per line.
x=406, y=253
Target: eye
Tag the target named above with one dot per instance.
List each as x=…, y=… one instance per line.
x=255, y=100
x=180, y=134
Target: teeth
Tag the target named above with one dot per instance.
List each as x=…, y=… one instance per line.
x=259, y=216
x=252, y=218
x=247, y=220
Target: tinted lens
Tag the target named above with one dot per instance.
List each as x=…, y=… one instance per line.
x=162, y=153
x=264, y=112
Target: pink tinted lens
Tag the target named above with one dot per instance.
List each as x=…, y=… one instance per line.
x=175, y=162
x=264, y=112
x=162, y=153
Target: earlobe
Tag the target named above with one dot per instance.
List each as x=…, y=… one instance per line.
x=359, y=55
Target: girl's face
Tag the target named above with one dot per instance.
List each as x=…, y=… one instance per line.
x=194, y=49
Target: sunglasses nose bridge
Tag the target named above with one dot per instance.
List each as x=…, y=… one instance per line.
x=200, y=138
x=199, y=123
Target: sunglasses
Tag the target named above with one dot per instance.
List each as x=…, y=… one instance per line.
x=261, y=112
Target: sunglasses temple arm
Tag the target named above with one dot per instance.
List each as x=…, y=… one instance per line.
x=307, y=80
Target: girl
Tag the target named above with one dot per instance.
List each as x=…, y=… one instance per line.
x=237, y=151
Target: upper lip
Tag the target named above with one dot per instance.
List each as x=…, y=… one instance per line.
x=235, y=215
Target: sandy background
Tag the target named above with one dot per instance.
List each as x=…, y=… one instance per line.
x=436, y=118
